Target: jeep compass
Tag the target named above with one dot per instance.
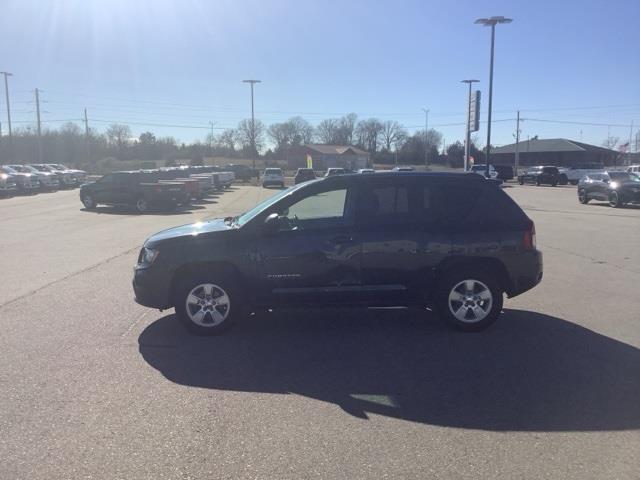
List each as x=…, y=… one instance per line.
x=454, y=242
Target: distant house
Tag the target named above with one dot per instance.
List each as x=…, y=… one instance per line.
x=560, y=152
x=326, y=156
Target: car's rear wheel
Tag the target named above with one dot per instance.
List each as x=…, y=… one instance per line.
x=582, y=197
x=563, y=180
x=614, y=200
x=554, y=183
x=573, y=182
x=142, y=206
x=88, y=202
x=469, y=301
x=521, y=181
x=206, y=306
x=537, y=182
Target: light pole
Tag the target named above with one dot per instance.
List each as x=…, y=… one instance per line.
x=253, y=123
x=6, y=92
x=491, y=22
x=467, y=142
x=426, y=138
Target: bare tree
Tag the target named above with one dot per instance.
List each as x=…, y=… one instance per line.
x=280, y=135
x=300, y=131
x=346, y=129
x=249, y=136
x=118, y=135
x=391, y=132
x=228, y=139
x=368, y=134
x=327, y=131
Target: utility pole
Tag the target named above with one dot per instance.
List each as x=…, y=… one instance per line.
x=253, y=123
x=426, y=138
x=517, y=158
x=6, y=93
x=467, y=141
x=630, y=136
x=86, y=135
x=491, y=22
x=39, y=127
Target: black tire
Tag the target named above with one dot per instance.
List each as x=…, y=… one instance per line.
x=582, y=197
x=142, y=206
x=614, y=200
x=554, y=183
x=573, y=182
x=445, y=306
x=282, y=185
x=563, y=180
x=521, y=181
x=88, y=202
x=537, y=182
x=223, y=284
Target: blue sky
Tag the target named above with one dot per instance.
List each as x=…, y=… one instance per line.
x=155, y=62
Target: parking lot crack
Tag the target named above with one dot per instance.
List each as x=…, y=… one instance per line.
x=71, y=275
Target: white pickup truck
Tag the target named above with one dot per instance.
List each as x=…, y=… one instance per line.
x=574, y=174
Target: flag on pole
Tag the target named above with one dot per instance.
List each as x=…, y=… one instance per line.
x=309, y=161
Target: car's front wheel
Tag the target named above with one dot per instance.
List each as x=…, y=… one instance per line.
x=88, y=201
x=469, y=301
x=582, y=197
x=207, y=306
x=142, y=206
x=615, y=200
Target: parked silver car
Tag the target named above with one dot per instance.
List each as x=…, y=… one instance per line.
x=78, y=175
x=66, y=179
x=46, y=180
x=8, y=185
x=26, y=182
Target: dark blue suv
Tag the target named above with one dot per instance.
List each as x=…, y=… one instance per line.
x=455, y=242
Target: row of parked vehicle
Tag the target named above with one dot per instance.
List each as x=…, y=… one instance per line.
x=165, y=188
x=28, y=179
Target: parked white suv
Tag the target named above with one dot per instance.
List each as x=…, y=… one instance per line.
x=273, y=176
x=633, y=169
x=574, y=174
x=481, y=169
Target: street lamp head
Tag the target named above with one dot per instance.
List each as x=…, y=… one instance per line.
x=469, y=81
x=251, y=81
x=7, y=74
x=487, y=22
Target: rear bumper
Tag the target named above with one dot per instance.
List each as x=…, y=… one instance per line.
x=525, y=272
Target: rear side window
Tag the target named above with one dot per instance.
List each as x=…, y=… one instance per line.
x=378, y=202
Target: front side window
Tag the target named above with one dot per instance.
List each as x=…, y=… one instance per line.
x=321, y=206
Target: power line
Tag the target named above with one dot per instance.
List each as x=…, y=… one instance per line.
x=593, y=124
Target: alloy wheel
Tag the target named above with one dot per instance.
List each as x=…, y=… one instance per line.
x=470, y=301
x=208, y=305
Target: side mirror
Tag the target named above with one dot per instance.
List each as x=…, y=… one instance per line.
x=272, y=223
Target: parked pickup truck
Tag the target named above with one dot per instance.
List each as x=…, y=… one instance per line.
x=225, y=177
x=132, y=189
x=574, y=174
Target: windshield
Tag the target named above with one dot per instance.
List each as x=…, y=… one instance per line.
x=6, y=169
x=623, y=176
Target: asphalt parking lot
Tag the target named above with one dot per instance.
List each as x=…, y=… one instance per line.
x=94, y=386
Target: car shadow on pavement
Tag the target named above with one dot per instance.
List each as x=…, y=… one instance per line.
x=115, y=210
x=528, y=372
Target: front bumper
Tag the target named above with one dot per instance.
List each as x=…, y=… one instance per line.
x=152, y=288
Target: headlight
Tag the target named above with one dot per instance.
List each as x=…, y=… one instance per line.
x=147, y=257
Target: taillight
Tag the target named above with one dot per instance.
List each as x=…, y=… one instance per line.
x=529, y=237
